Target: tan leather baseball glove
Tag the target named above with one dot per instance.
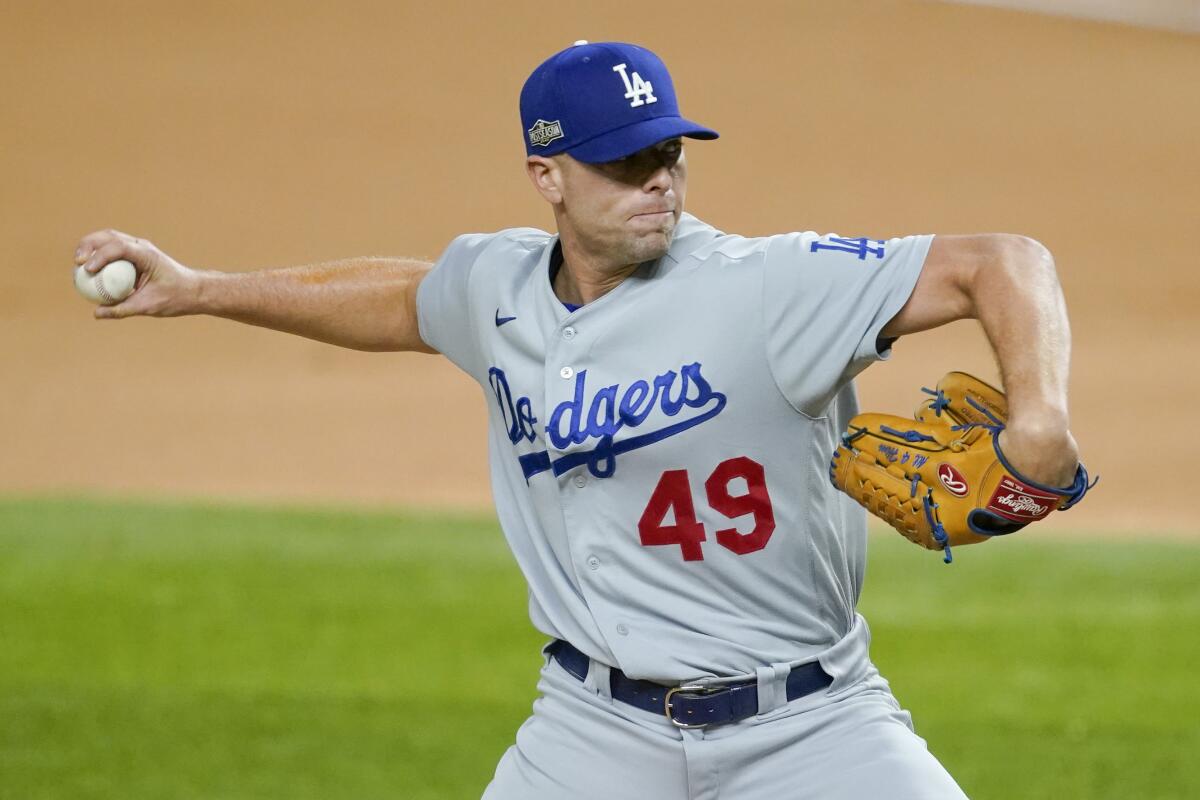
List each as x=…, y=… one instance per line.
x=941, y=479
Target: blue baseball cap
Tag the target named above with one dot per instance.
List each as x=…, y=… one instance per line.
x=600, y=102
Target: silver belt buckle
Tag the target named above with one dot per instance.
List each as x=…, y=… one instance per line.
x=690, y=689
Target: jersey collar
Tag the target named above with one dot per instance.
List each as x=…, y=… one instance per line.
x=690, y=234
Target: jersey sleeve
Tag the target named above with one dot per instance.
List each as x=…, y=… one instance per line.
x=826, y=299
x=443, y=303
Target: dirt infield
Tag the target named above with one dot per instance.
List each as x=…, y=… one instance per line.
x=256, y=135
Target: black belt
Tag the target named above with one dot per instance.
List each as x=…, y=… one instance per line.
x=691, y=706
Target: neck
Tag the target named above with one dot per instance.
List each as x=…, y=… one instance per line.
x=584, y=276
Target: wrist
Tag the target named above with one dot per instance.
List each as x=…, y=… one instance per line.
x=1049, y=457
x=205, y=291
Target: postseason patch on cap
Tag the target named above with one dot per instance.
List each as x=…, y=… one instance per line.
x=543, y=133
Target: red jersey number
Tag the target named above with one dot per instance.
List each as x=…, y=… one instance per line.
x=673, y=496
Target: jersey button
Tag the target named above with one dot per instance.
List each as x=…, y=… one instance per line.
x=623, y=629
x=568, y=333
x=593, y=563
x=567, y=373
x=580, y=481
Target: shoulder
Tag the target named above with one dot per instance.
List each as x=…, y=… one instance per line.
x=469, y=247
x=812, y=252
x=697, y=240
x=792, y=250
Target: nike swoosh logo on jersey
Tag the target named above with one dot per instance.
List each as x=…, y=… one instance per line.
x=501, y=320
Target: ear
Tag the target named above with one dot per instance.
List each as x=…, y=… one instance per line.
x=546, y=176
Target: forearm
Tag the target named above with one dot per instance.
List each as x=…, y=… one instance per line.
x=1019, y=303
x=359, y=303
x=1008, y=283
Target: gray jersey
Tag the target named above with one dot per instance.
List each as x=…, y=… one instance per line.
x=659, y=457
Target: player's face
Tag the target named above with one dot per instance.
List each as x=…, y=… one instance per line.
x=626, y=209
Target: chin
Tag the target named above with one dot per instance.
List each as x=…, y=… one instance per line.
x=652, y=248
x=656, y=242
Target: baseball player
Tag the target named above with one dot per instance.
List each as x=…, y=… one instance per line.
x=664, y=399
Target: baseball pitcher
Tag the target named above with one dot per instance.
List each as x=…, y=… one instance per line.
x=672, y=416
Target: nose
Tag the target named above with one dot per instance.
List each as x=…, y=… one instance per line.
x=660, y=179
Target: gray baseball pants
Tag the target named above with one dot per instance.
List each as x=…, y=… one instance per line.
x=855, y=743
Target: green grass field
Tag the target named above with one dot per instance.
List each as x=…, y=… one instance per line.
x=189, y=651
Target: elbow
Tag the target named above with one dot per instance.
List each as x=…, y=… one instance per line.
x=1021, y=255
x=1010, y=262
x=394, y=344
x=404, y=339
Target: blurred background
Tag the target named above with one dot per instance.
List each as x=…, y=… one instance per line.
x=241, y=136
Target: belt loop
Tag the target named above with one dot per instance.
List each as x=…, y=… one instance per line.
x=598, y=680
x=772, y=687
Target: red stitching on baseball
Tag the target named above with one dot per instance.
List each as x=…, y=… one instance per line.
x=100, y=290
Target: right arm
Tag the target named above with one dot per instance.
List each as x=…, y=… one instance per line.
x=359, y=303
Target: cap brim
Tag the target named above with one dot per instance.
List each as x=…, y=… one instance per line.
x=628, y=140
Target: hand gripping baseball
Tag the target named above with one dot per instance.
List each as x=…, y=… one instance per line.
x=943, y=480
x=164, y=288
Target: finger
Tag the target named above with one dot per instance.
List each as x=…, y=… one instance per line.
x=88, y=244
x=108, y=252
x=94, y=240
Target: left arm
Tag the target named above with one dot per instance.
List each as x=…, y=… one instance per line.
x=1009, y=284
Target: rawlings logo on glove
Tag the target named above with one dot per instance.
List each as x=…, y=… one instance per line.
x=941, y=479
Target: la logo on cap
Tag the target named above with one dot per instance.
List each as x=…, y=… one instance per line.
x=637, y=91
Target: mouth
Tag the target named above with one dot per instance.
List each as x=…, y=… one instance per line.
x=653, y=214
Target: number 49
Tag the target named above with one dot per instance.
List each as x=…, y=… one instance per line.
x=674, y=494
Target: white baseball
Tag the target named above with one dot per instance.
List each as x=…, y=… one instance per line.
x=111, y=284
